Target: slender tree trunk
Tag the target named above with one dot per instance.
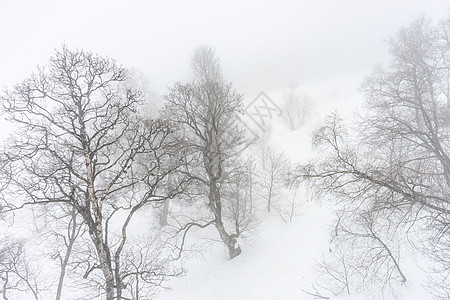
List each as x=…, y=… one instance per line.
x=269, y=198
x=5, y=286
x=72, y=237
x=137, y=285
x=165, y=211
x=238, y=202
x=250, y=191
x=291, y=215
x=62, y=275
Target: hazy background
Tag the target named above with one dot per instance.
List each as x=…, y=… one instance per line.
x=263, y=45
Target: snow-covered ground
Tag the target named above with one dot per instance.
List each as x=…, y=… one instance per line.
x=279, y=260
x=275, y=266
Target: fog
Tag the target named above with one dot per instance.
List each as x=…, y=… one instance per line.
x=263, y=45
x=284, y=171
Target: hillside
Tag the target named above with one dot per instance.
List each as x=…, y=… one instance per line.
x=281, y=258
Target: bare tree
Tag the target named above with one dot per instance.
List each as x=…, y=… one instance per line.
x=79, y=142
x=58, y=227
x=364, y=257
x=74, y=229
x=334, y=276
x=398, y=170
x=296, y=108
x=163, y=218
x=366, y=230
x=271, y=176
x=238, y=199
x=289, y=207
x=18, y=278
x=207, y=111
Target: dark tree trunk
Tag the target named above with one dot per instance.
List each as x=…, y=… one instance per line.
x=216, y=206
x=165, y=212
x=229, y=240
x=165, y=209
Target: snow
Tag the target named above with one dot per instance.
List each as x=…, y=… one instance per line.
x=279, y=261
x=276, y=266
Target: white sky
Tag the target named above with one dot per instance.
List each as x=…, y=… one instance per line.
x=263, y=45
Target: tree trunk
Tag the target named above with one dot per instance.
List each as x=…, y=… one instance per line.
x=62, y=275
x=72, y=237
x=109, y=278
x=250, y=191
x=165, y=212
x=216, y=206
x=95, y=222
x=110, y=289
x=119, y=284
x=229, y=240
x=269, y=199
x=105, y=263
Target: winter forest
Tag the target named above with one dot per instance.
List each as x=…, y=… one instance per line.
x=111, y=191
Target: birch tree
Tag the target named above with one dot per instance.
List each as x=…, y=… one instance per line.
x=80, y=142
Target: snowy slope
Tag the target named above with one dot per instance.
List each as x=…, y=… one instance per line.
x=280, y=260
x=276, y=266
